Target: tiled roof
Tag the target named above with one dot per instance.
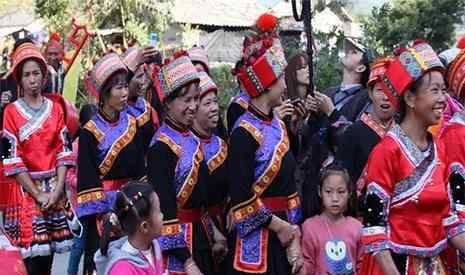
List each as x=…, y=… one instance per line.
x=223, y=13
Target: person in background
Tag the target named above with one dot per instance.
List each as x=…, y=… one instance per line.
x=54, y=54
x=238, y=104
x=199, y=58
x=37, y=157
x=360, y=138
x=147, y=118
x=331, y=242
x=338, y=108
x=137, y=212
x=86, y=113
x=111, y=152
x=215, y=152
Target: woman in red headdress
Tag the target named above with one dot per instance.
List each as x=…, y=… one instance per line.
x=409, y=216
x=38, y=156
x=265, y=209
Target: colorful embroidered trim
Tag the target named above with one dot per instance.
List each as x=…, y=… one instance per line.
x=92, y=127
x=219, y=158
x=117, y=146
x=251, y=252
x=252, y=130
x=168, y=141
x=378, y=129
x=191, y=180
x=35, y=119
x=90, y=195
x=264, y=181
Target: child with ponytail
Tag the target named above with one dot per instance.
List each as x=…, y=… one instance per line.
x=137, y=212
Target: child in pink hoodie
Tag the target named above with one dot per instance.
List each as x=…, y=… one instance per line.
x=137, y=211
x=331, y=242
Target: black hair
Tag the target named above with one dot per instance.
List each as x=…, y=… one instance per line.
x=132, y=205
x=21, y=41
x=176, y=93
x=115, y=79
x=366, y=73
x=336, y=168
x=86, y=113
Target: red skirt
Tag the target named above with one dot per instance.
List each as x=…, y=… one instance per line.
x=36, y=231
x=5, y=188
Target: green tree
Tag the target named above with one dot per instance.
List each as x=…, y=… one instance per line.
x=402, y=21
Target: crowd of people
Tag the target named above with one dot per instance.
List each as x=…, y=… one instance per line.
x=364, y=178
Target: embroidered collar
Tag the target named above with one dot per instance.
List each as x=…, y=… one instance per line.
x=108, y=119
x=411, y=150
x=175, y=125
x=259, y=114
x=378, y=128
x=201, y=136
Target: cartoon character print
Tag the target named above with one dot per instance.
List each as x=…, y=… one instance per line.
x=337, y=258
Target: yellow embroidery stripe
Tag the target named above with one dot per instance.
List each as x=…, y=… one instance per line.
x=168, y=141
x=145, y=116
x=421, y=61
x=171, y=229
x=191, y=179
x=219, y=158
x=293, y=201
x=273, y=168
x=252, y=130
x=94, y=194
x=244, y=210
x=244, y=104
x=91, y=127
x=117, y=146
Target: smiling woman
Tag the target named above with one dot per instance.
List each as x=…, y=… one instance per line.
x=405, y=176
x=177, y=171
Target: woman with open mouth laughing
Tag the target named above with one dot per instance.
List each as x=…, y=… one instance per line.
x=409, y=218
x=177, y=172
x=361, y=137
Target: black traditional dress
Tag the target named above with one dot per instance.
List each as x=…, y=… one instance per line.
x=178, y=172
x=237, y=108
x=261, y=175
x=147, y=119
x=110, y=154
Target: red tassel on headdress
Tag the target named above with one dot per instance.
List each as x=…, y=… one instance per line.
x=55, y=36
x=418, y=41
x=267, y=22
x=461, y=43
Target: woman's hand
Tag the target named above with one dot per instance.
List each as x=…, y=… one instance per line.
x=53, y=199
x=191, y=267
x=42, y=198
x=311, y=104
x=384, y=259
x=325, y=104
x=220, y=247
x=283, y=110
x=294, y=256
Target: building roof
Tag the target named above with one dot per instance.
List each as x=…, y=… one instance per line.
x=222, y=13
x=223, y=46
x=18, y=19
